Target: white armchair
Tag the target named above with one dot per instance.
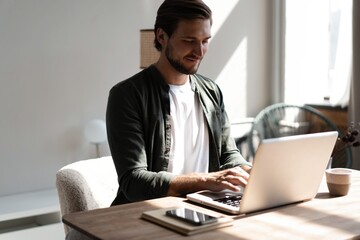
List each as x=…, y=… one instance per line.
x=86, y=185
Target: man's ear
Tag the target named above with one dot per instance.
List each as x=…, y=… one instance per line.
x=161, y=36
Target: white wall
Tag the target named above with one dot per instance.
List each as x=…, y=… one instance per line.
x=58, y=60
x=239, y=55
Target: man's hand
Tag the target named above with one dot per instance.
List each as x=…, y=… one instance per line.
x=216, y=181
x=227, y=179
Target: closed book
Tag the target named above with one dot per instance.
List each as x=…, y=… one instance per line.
x=159, y=217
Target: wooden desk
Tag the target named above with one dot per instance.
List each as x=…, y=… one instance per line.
x=324, y=217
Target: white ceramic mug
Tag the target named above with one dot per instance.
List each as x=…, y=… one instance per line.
x=338, y=181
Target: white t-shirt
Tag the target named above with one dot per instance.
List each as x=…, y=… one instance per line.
x=189, y=150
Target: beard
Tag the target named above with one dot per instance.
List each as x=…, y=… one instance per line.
x=177, y=65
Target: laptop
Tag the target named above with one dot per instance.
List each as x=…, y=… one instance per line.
x=285, y=170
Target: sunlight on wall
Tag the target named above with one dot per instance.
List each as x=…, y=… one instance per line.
x=234, y=76
x=220, y=10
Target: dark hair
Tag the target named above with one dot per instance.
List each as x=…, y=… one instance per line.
x=171, y=12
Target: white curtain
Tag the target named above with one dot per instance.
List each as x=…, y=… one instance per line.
x=341, y=71
x=306, y=51
x=318, y=39
x=354, y=106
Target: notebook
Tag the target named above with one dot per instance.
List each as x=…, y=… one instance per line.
x=285, y=170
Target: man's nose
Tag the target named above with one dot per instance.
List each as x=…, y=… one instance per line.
x=200, y=50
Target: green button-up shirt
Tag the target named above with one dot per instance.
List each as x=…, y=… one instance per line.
x=138, y=128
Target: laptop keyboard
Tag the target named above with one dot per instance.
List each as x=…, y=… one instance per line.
x=230, y=200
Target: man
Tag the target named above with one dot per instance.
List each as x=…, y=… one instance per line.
x=167, y=127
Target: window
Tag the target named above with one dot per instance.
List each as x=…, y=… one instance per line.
x=318, y=46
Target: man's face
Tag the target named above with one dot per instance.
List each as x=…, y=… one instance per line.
x=188, y=45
